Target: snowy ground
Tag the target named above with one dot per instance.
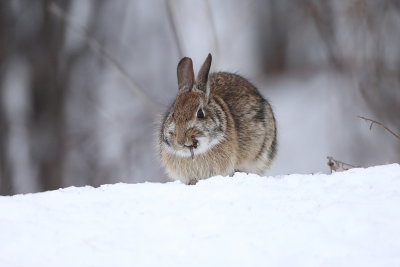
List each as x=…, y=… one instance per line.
x=350, y=218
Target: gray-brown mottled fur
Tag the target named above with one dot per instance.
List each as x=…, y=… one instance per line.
x=235, y=114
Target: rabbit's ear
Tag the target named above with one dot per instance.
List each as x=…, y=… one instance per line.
x=202, y=77
x=185, y=74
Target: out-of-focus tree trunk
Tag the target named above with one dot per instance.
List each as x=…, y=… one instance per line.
x=379, y=78
x=324, y=19
x=6, y=186
x=273, y=35
x=49, y=71
x=49, y=81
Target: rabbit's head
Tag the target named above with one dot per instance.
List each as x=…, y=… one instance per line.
x=195, y=123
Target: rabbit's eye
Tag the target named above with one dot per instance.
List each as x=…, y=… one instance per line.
x=200, y=114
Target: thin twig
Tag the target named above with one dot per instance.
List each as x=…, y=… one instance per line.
x=213, y=28
x=96, y=46
x=380, y=124
x=335, y=165
x=170, y=12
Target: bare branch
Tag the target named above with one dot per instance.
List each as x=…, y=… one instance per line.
x=380, y=124
x=335, y=165
x=97, y=47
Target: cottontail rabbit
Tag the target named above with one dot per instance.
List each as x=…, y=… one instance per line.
x=217, y=125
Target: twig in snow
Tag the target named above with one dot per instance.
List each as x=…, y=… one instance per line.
x=97, y=47
x=380, y=124
x=335, y=165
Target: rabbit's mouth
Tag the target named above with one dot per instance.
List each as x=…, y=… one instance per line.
x=192, y=147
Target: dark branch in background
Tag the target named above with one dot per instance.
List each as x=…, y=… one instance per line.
x=96, y=46
x=335, y=165
x=380, y=124
x=6, y=172
x=172, y=22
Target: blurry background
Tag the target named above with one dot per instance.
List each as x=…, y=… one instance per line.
x=82, y=81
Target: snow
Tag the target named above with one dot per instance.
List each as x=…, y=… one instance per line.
x=349, y=218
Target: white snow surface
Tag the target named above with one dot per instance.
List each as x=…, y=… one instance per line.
x=349, y=218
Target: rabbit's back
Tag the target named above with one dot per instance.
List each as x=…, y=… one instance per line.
x=253, y=117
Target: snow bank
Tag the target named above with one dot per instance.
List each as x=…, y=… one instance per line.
x=350, y=218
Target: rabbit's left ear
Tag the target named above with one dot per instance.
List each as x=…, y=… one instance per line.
x=202, y=76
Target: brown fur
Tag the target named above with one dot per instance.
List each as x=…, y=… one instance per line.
x=238, y=122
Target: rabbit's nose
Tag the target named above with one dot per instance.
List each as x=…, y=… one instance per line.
x=192, y=142
x=184, y=143
x=187, y=141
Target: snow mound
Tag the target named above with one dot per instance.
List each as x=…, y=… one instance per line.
x=350, y=218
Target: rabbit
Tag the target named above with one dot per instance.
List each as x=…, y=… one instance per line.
x=218, y=124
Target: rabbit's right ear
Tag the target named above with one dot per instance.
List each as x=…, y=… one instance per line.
x=185, y=74
x=202, y=77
